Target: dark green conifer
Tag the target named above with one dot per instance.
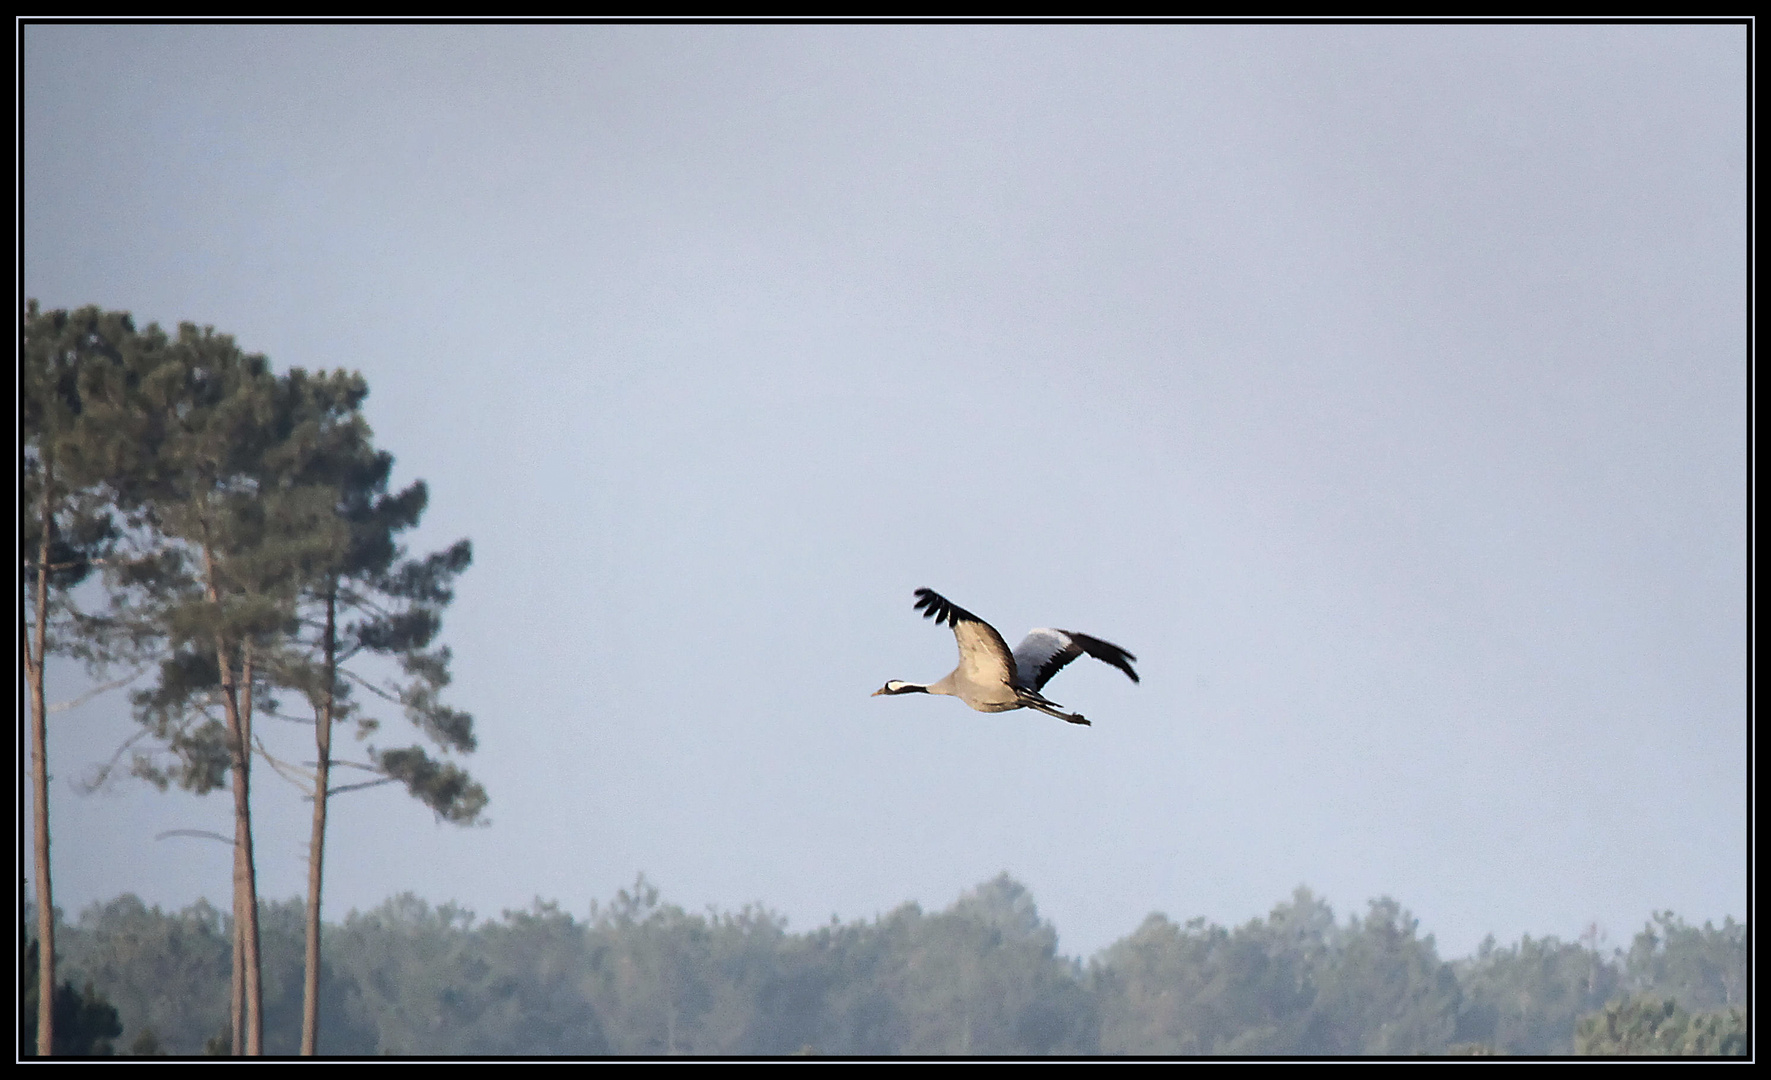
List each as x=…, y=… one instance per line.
x=73, y=385
x=367, y=600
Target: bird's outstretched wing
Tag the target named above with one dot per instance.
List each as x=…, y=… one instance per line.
x=984, y=658
x=1044, y=652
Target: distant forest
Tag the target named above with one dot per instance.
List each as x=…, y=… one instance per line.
x=642, y=977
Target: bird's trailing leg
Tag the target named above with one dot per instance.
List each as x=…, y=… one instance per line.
x=1051, y=709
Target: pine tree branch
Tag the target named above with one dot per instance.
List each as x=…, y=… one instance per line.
x=203, y=834
x=64, y=706
x=274, y=714
x=283, y=768
x=102, y=774
x=366, y=601
x=359, y=787
x=374, y=689
x=31, y=564
x=384, y=779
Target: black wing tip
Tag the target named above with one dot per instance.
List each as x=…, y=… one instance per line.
x=937, y=607
x=1106, y=652
x=931, y=603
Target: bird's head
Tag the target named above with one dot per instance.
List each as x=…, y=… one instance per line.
x=898, y=686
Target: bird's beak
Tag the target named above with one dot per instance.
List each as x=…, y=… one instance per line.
x=878, y=692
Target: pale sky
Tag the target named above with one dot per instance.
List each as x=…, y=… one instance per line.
x=1382, y=388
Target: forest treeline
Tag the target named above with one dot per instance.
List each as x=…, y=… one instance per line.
x=642, y=977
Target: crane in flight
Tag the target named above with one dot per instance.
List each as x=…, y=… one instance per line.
x=990, y=678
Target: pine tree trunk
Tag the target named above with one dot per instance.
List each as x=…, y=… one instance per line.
x=236, y=701
x=310, y=991
x=237, y=978
x=243, y=809
x=245, y=891
x=40, y=794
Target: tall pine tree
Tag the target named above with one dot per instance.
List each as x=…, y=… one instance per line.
x=76, y=376
x=371, y=602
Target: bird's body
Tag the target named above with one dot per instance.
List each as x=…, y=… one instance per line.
x=990, y=677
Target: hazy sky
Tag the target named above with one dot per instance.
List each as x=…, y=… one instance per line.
x=1383, y=388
